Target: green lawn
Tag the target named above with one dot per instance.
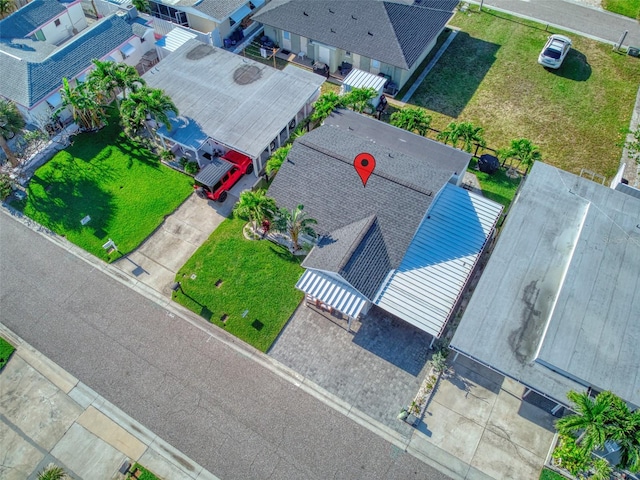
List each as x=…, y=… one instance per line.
x=143, y=474
x=6, y=349
x=547, y=474
x=490, y=76
x=498, y=186
x=121, y=186
x=255, y=284
x=628, y=8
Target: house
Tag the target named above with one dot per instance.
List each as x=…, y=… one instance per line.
x=47, y=40
x=389, y=38
x=228, y=102
x=558, y=305
x=223, y=22
x=408, y=241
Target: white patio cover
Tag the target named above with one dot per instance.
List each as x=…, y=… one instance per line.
x=338, y=295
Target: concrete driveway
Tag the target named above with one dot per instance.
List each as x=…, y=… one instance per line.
x=156, y=262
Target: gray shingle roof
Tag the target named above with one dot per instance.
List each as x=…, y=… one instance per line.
x=27, y=19
x=42, y=67
x=216, y=9
x=393, y=33
x=370, y=227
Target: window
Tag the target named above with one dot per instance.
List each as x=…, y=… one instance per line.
x=286, y=35
x=40, y=36
x=347, y=54
x=56, y=22
x=375, y=63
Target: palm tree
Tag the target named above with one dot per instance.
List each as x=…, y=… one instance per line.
x=142, y=6
x=295, y=222
x=591, y=420
x=325, y=105
x=359, y=99
x=11, y=122
x=143, y=105
x=276, y=160
x=255, y=206
x=53, y=472
x=7, y=7
x=466, y=132
x=112, y=78
x=627, y=436
x=522, y=150
x=87, y=111
x=412, y=119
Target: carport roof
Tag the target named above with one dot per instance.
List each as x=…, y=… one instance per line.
x=238, y=102
x=558, y=304
x=213, y=172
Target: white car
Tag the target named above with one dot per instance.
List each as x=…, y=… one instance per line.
x=555, y=51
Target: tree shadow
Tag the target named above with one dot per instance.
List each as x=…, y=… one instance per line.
x=284, y=253
x=575, y=67
x=451, y=84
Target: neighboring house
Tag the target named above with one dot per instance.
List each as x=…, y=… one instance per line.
x=558, y=305
x=219, y=19
x=47, y=40
x=381, y=37
x=408, y=241
x=229, y=102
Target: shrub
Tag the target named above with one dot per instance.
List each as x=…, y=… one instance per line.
x=6, y=186
x=191, y=168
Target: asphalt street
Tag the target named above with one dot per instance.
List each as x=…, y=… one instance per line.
x=226, y=411
x=575, y=17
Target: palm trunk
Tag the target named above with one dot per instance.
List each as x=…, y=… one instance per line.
x=7, y=151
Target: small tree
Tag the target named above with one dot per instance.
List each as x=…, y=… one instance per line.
x=87, y=110
x=7, y=7
x=325, y=105
x=144, y=104
x=53, y=472
x=6, y=186
x=276, y=160
x=358, y=99
x=522, y=150
x=142, y=6
x=11, y=122
x=295, y=222
x=255, y=207
x=465, y=132
x=413, y=119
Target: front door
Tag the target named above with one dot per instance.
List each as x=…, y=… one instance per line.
x=286, y=40
x=324, y=55
x=303, y=45
x=355, y=58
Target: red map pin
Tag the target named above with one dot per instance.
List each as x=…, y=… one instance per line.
x=364, y=165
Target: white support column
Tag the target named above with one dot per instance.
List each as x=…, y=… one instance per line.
x=527, y=391
x=433, y=340
x=556, y=409
x=349, y=323
x=455, y=357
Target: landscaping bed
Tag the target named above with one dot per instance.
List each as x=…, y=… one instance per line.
x=489, y=75
x=121, y=186
x=6, y=350
x=245, y=286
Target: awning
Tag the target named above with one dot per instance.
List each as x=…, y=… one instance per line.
x=338, y=295
x=128, y=50
x=239, y=14
x=361, y=79
x=257, y=3
x=212, y=173
x=55, y=100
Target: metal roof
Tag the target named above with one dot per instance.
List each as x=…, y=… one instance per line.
x=238, y=102
x=558, y=304
x=213, y=172
x=361, y=79
x=175, y=39
x=332, y=292
x=425, y=288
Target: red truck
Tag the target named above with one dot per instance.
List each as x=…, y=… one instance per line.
x=215, y=179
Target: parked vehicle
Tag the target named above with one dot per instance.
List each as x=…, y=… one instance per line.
x=215, y=179
x=554, y=51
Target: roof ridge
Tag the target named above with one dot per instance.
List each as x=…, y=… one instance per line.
x=303, y=141
x=370, y=220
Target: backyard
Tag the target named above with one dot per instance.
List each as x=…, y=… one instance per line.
x=122, y=187
x=246, y=287
x=490, y=76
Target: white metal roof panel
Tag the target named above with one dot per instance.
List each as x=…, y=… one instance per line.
x=336, y=294
x=175, y=39
x=361, y=79
x=424, y=289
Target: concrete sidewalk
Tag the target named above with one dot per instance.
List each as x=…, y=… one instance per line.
x=49, y=416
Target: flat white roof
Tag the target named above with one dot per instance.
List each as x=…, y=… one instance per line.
x=425, y=288
x=238, y=102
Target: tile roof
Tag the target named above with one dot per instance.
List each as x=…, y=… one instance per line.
x=369, y=228
x=28, y=18
x=31, y=73
x=393, y=33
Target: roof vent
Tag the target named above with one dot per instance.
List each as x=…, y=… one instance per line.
x=333, y=31
x=305, y=14
x=353, y=17
x=370, y=33
x=331, y=11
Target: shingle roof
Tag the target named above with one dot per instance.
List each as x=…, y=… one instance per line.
x=37, y=70
x=216, y=9
x=370, y=227
x=28, y=18
x=393, y=33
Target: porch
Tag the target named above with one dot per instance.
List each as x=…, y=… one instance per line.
x=301, y=60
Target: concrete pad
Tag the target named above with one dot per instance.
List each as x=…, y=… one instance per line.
x=112, y=433
x=452, y=432
x=132, y=426
x=55, y=374
x=83, y=395
x=87, y=455
x=532, y=431
x=500, y=458
x=19, y=457
x=462, y=394
x=34, y=404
